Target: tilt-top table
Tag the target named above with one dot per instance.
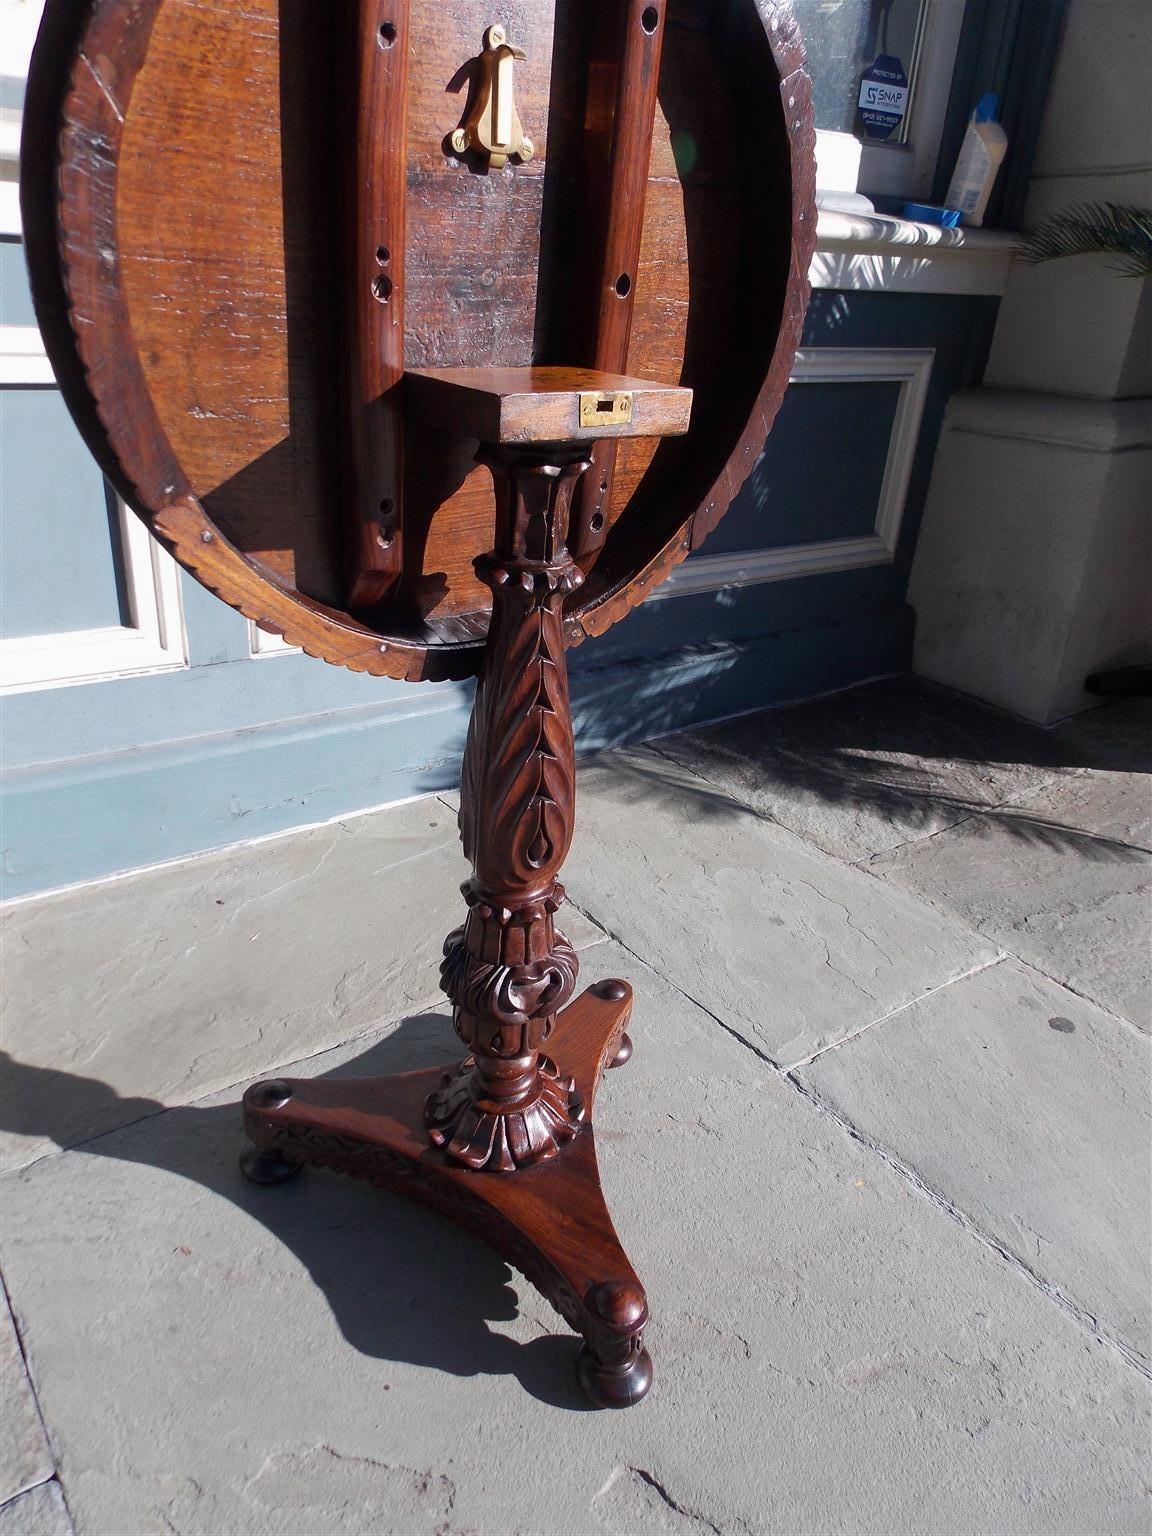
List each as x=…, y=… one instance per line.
x=432, y=339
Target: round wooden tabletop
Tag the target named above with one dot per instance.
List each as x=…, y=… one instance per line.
x=187, y=211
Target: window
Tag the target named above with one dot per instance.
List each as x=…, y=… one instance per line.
x=117, y=608
x=905, y=51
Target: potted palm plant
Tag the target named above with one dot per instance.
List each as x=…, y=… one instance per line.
x=1087, y=229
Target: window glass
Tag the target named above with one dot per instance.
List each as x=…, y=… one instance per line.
x=57, y=506
x=845, y=39
x=15, y=294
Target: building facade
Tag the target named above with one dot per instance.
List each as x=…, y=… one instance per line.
x=144, y=721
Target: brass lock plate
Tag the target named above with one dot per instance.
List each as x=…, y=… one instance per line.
x=610, y=409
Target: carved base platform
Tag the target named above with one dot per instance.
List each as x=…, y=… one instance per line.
x=549, y=1220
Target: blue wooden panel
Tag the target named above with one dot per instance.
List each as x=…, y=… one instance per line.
x=731, y=616
x=15, y=294
x=958, y=327
x=797, y=493
x=62, y=560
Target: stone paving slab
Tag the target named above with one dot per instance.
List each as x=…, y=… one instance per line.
x=175, y=981
x=1110, y=808
x=25, y=1458
x=874, y=767
x=1060, y=880
x=788, y=947
x=1029, y=1110
x=833, y=1351
x=39, y=1512
x=1116, y=735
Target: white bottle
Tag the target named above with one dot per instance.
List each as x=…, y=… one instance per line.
x=984, y=147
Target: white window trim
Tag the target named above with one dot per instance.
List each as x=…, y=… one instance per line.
x=19, y=23
x=908, y=170
x=263, y=643
x=860, y=250
x=911, y=368
x=155, y=641
x=874, y=253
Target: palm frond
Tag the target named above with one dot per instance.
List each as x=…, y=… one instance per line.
x=1094, y=229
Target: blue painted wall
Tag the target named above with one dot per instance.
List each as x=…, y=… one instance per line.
x=111, y=775
x=789, y=499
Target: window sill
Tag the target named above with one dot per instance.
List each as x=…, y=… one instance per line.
x=876, y=253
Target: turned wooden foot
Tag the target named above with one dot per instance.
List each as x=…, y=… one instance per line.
x=624, y=1054
x=613, y=990
x=265, y=1165
x=550, y=1221
x=612, y=1384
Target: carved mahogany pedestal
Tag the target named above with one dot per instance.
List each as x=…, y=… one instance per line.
x=258, y=376
x=504, y=1142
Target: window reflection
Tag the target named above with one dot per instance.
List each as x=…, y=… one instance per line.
x=845, y=39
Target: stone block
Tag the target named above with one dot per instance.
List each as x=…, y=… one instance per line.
x=876, y=767
x=1100, y=348
x=1116, y=734
x=791, y=948
x=1031, y=569
x=1062, y=880
x=162, y=986
x=25, y=1458
x=39, y=1512
x=1098, y=113
x=1074, y=326
x=1028, y=1110
x=833, y=1351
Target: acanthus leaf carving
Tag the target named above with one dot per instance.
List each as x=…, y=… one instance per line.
x=507, y=970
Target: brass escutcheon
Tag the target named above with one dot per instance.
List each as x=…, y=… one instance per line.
x=605, y=409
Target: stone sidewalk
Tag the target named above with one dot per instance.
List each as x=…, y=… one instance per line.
x=881, y=1157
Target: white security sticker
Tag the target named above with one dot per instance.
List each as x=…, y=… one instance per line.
x=881, y=97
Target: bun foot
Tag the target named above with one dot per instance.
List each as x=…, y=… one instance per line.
x=614, y=1386
x=267, y=1165
x=614, y=1368
x=623, y=1052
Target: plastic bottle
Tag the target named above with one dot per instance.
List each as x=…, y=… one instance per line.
x=984, y=147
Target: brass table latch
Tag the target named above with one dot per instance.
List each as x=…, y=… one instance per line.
x=610, y=409
x=491, y=124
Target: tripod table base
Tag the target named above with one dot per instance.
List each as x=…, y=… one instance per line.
x=549, y=1220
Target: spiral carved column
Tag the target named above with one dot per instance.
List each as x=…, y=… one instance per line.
x=508, y=970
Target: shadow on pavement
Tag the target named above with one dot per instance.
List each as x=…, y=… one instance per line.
x=402, y=1284
x=909, y=752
